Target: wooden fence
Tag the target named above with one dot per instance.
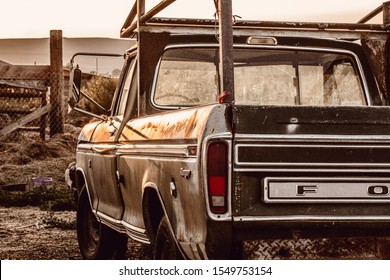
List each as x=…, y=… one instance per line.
x=28, y=94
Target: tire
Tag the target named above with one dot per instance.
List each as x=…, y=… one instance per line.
x=165, y=246
x=96, y=240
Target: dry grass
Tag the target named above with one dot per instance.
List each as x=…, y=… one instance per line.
x=23, y=157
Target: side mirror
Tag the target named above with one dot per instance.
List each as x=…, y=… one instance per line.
x=75, y=85
x=75, y=80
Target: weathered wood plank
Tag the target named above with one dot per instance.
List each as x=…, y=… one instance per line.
x=22, y=95
x=25, y=120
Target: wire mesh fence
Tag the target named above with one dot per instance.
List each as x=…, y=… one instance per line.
x=31, y=102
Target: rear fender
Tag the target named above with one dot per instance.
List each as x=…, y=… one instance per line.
x=153, y=210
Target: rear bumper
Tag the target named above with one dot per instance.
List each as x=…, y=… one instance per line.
x=223, y=237
x=246, y=228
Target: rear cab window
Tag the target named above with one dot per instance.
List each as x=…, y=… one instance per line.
x=188, y=76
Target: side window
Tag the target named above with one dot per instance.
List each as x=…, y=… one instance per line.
x=126, y=88
x=187, y=77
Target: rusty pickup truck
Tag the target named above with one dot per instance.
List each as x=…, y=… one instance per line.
x=301, y=148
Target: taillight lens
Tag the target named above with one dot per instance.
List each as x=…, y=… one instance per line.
x=217, y=172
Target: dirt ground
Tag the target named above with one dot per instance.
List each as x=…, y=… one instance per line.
x=27, y=233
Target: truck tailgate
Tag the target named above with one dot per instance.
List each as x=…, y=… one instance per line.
x=311, y=164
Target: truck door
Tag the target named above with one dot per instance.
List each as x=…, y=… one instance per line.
x=130, y=180
x=102, y=165
x=106, y=177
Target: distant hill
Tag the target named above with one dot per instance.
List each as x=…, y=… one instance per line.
x=36, y=52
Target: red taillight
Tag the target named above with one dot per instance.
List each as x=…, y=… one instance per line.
x=217, y=171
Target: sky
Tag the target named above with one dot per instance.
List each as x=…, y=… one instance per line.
x=103, y=18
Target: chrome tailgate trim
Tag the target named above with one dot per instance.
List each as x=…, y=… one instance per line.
x=326, y=190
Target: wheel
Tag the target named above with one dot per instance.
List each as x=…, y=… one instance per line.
x=165, y=246
x=96, y=240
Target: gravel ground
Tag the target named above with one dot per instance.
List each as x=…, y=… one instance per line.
x=27, y=233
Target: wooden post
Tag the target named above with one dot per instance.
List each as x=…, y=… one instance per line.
x=225, y=15
x=56, y=83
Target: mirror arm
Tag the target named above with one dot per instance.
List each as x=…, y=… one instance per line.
x=101, y=117
x=80, y=92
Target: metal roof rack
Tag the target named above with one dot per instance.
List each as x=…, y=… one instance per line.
x=148, y=18
x=140, y=20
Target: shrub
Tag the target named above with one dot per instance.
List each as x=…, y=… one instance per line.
x=47, y=198
x=101, y=90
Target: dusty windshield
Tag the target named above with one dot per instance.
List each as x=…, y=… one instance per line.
x=189, y=77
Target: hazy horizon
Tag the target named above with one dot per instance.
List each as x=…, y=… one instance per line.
x=35, y=51
x=99, y=19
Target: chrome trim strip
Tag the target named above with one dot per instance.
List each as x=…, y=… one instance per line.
x=111, y=222
x=325, y=190
x=311, y=146
x=319, y=164
x=88, y=147
x=305, y=164
x=300, y=218
x=311, y=170
x=143, y=149
x=96, y=145
x=158, y=149
x=134, y=228
x=135, y=233
x=300, y=137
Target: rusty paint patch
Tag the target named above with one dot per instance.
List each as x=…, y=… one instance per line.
x=87, y=131
x=183, y=124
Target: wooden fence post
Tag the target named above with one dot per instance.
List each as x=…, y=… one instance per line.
x=56, y=83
